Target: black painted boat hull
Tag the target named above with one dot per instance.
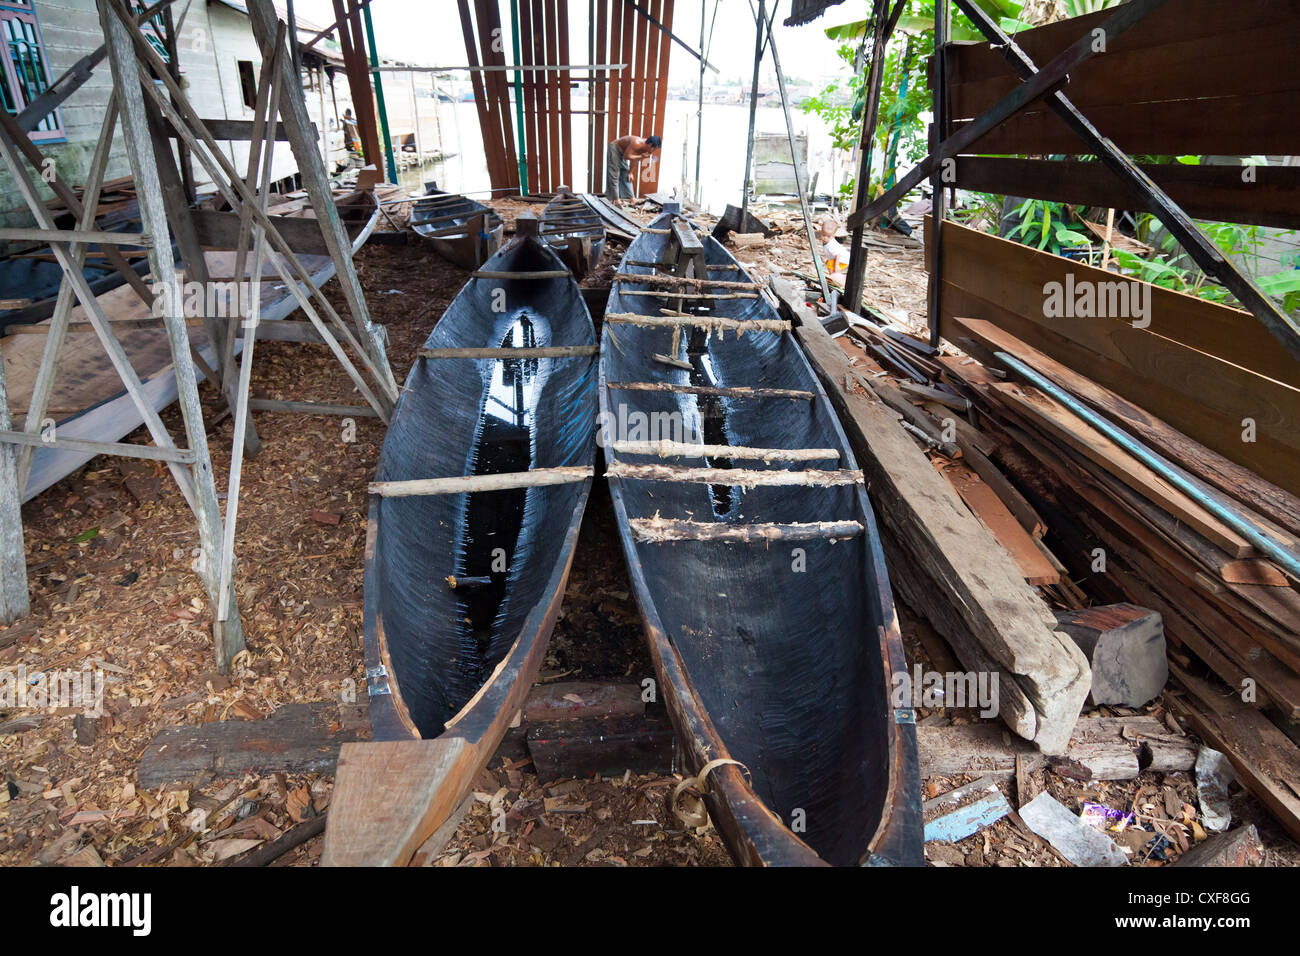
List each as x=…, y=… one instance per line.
x=781, y=655
x=446, y=660
x=445, y=220
x=574, y=232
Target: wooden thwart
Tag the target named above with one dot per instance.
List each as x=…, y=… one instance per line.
x=551, y=351
x=543, y=274
x=735, y=392
x=738, y=477
x=686, y=281
x=665, y=294
x=675, y=449
x=536, y=478
x=656, y=530
x=713, y=323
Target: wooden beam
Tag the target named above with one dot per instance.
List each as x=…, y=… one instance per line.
x=469, y=484
x=947, y=565
x=551, y=351
x=1241, y=483
x=1260, y=195
x=737, y=477
x=660, y=530
x=735, y=392
x=674, y=449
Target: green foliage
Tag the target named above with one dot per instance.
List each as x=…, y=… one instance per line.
x=905, y=92
x=1077, y=8
x=1043, y=225
x=1233, y=239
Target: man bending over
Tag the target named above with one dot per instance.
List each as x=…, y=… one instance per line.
x=619, y=157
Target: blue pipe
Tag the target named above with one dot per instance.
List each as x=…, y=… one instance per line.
x=1210, y=500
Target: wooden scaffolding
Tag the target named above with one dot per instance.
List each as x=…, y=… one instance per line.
x=152, y=111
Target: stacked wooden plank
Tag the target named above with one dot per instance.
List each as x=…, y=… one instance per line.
x=943, y=559
x=1128, y=533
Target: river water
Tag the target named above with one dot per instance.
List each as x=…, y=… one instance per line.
x=454, y=128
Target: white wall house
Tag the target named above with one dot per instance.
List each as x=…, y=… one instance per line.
x=219, y=63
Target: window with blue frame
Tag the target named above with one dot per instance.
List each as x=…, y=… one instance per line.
x=24, y=72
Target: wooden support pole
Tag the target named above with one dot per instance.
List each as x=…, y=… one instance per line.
x=94, y=312
x=813, y=249
x=59, y=322
x=505, y=481
x=233, y=190
x=760, y=20
x=14, y=600
x=736, y=477
x=857, y=251
x=116, y=24
x=938, y=130
x=250, y=322
x=315, y=179
x=659, y=530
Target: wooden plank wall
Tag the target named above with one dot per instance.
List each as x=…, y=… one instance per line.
x=635, y=100
x=1194, y=77
x=631, y=101
x=1271, y=196
x=482, y=32
x=1202, y=367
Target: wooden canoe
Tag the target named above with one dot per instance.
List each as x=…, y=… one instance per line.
x=462, y=589
x=767, y=608
x=463, y=231
x=574, y=232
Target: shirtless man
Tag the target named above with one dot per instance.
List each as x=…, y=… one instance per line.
x=619, y=156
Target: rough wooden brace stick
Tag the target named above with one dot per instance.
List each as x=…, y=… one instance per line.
x=674, y=449
x=714, y=323
x=550, y=351
x=737, y=477
x=656, y=530
x=544, y=274
x=735, y=392
x=685, y=281
x=536, y=478
x=665, y=294
x=124, y=449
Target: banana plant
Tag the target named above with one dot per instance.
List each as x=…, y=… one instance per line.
x=1077, y=8
x=1006, y=12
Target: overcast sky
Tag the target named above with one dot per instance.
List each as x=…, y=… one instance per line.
x=428, y=32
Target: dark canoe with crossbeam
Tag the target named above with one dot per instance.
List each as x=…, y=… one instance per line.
x=756, y=563
x=574, y=232
x=463, y=231
x=474, y=516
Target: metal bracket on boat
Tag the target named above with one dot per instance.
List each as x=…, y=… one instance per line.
x=377, y=681
x=904, y=715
